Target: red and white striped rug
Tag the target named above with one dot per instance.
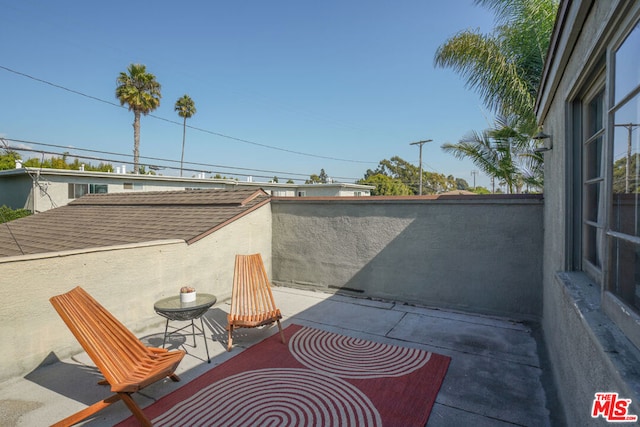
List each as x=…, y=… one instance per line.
x=317, y=379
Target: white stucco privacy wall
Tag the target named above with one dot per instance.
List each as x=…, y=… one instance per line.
x=126, y=280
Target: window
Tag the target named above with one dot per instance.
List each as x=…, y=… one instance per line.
x=593, y=197
x=79, y=190
x=98, y=188
x=604, y=240
x=132, y=186
x=302, y=193
x=624, y=230
x=606, y=229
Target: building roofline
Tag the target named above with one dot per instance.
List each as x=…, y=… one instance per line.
x=164, y=178
x=230, y=220
x=558, y=27
x=328, y=184
x=113, y=175
x=478, y=198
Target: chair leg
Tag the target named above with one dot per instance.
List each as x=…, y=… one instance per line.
x=135, y=409
x=281, y=333
x=230, y=342
x=87, y=412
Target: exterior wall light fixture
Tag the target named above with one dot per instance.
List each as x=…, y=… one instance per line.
x=547, y=144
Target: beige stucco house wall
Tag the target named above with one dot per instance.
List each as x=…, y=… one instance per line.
x=127, y=280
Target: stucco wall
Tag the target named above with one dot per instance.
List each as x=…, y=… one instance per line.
x=125, y=280
x=588, y=353
x=475, y=254
x=15, y=191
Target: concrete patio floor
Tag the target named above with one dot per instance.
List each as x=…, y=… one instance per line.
x=497, y=375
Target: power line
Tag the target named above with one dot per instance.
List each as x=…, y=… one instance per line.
x=233, y=138
x=225, y=169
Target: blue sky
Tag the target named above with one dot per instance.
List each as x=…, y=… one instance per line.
x=345, y=83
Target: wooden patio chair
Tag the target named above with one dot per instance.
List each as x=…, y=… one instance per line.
x=126, y=363
x=252, y=302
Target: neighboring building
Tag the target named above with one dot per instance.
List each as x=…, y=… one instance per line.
x=128, y=250
x=39, y=190
x=103, y=220
x=589, y=104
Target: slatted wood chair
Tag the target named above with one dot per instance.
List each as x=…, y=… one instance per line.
x=252, y=302
x=126, y=363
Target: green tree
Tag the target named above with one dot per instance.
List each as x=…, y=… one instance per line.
x=141, y=92
x=186, y=108
x=8, y=159
x=502, y=153
x=63, y=163
x=409, y=175
x=323, y=178
x=461, y=184
x=386, y=186
x=480, y=190
x=620, y=174
x=7, y=214
x=505, y=68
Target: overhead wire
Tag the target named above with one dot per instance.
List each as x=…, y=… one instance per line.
x=223, y=168
x=233, y=138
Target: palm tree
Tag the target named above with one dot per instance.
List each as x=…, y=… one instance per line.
x=185, y=108
x=502, y=153
x=505, y=68
x=141, y=92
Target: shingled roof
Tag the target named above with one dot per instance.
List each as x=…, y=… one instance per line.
x=99, y=220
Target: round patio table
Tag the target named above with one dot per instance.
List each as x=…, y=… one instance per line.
x=172, y=308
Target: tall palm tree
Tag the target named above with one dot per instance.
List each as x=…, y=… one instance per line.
x=505, y=68
x=186, y=108
x=141, y=92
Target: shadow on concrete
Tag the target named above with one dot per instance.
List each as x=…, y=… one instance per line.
x=75, y=381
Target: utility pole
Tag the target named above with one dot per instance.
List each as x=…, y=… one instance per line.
x=421, y=143
x=474, y=173
x=630, y=127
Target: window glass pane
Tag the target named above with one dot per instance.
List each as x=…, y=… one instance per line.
x=592, y=202
x=594, y=159
x=627, y=65
x=592, y=237
x=626, y=168
x=626, y=272
x=80, y=190
x=98, y=188
x=595, y=119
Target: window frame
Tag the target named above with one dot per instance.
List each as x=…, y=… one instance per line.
x=599, y=75
x=87, y=187
x=627, y=318
x=596, y=89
